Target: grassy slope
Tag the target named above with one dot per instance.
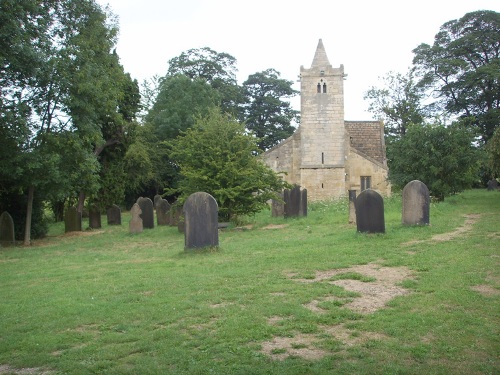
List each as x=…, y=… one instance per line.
x=111, y=302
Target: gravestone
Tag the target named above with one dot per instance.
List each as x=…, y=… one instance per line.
x=370, y=212
x=292, y=202
x=114, y=215
x=7, y=234
x=492, y=185
x=175, y=214
x=156, y=199
x=278, y=207
x=135, y=224
x=162, y=212
x=72, y=220
x=148, y=214
x=416, y=204
x=303, y=203
x=352, y=207
x=94, y=218
x=200, y=221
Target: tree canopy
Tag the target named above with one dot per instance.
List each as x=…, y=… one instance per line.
x=217, y=156
x=463, y=68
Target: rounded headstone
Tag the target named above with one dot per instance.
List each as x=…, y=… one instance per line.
x=201, y=227
x=416, y=204
x=370, y=212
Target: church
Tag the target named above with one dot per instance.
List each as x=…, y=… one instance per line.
x=327, y=155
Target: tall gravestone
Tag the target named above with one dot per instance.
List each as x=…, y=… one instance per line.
x=303, y=202
x=175, y=214
x=352, y=207
x=7, y=234
x=148, y=214
x=72, y=220
x=135, y=224
x=162, y=212
x=416, y=204
x=114, y=215
x=201, y=227
x=278, y=207
x=292, y=202
x=94, y=218
x=156, y=199
x=370, y=212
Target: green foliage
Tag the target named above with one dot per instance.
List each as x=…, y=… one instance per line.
x=266, y=114
x=218, y=157
x=398, y=103
x=463, y=68
x=493, y=152
x=444, y=158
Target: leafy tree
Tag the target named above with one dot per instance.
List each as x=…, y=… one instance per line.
x=266, y=114
x=216, y=69
x=399, y=102
x=463, y=68
x=444, y=158
x=493, y=151
x=217, y=156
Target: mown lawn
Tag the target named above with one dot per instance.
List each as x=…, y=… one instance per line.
x=298, y=296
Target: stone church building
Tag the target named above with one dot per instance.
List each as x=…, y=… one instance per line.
x=327, y=155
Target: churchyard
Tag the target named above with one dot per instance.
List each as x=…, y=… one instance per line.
x=307, y=294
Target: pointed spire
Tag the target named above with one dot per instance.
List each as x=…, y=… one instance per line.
x=320, y=58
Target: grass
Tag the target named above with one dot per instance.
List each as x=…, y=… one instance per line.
x=110, y=302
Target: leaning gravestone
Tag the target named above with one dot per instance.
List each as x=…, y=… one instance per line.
x=162, y=212
x=7, y=235
x=370, y=212
x=135, y=224
x=201, y=227
x=148, y=214
x=72, y=220
x=416, y=204
x=114, y=215
x=94, y=218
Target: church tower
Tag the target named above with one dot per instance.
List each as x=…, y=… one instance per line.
x=322, y=130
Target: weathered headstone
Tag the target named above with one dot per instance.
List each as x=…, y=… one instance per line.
x=72, y=220
x=7, y=234
x=175, y=214
x=156, y=199
x=352, y=207
x=94, y=218
x=292, y=202
x=148, y=214
x=200, y=221
x=303, y=202
x=114, y=215
x=135, y=224
x=492, y=185
x=370, y=212
x=278, y=207
x=162, y=212
x=416, y=203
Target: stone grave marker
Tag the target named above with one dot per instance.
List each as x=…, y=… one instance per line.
x=277, y=207
x=352, y=207
x=370, y=212
x=148, y=214
x=156, y=199
x=200, y=221
x=72, y=220
x=162, y=212
x=303, y=202
x=94, y=218
x=7, y=234
x=292, y=202
x=175, y=214
x=114, y=215
x=492, y=185
x=416, y=203
x=135, y=224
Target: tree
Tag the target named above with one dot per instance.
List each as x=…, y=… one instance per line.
x=463, y=68
x=266, y=114
x=493, y=152
x=444, y=158
x=398, y=103
x=216, y=69
x=217, y=156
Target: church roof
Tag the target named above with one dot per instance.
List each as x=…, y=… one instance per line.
x=320, y=58
x=367, y=137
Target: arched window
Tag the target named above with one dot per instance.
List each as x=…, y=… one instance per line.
x=324, y=88
x=318, y=89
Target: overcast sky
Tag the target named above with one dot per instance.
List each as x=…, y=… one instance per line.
x=370, y=38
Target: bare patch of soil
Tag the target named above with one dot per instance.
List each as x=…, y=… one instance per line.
x=301, y=345
x=275, y=226
x=486, y=290
x=6, y=369
x=349, y=337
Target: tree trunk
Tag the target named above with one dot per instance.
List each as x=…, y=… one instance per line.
x=29, y=214
x=81, y=201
